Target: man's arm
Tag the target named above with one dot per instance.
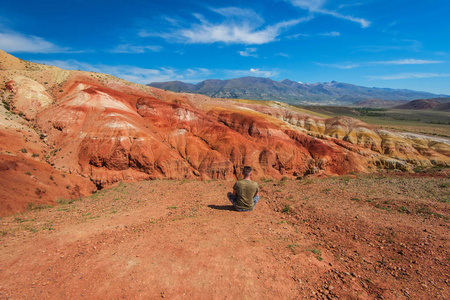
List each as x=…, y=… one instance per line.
x=257, y=192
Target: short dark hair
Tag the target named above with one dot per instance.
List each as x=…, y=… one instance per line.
x=247, y=170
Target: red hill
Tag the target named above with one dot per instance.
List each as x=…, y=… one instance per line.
x=102, y=130
x=419, y=104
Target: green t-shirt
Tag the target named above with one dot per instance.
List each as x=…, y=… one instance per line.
x=245, y=190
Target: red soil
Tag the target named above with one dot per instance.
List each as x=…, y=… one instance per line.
x=25, y=182
x=336, y=238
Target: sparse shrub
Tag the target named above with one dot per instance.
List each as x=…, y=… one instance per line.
x=444, y=200
x=281, y=183
x=292, y=247
x=403, y=209
x=37, y=206
x=64, y=201
x=23, y=150
x=39, y=191
x=383, y=208
x=28, y=173
x=318, y=253
x=287, y=209
x=427, y=211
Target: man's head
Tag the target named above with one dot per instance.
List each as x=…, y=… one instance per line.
x=247, y=171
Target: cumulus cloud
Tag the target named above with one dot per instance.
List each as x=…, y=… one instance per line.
x=15, y=42
x=317, y=6
x=239, y=26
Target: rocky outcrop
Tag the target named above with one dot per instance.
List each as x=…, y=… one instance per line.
x=106, y=130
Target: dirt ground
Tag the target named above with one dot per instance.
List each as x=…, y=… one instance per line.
x=365, y=237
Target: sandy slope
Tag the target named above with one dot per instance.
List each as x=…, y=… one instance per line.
x=346, y=238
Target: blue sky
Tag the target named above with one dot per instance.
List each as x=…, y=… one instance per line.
x=381, y=43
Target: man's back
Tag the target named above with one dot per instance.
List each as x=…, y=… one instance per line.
x=245, y=190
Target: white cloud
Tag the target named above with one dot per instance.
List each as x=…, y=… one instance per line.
x=407, y=61
x=283, y=55
x=295, y=36
x=312, y=5
x=317, y=6
x=238, y=13
x=248, y=52
x=252, y=72
x=343, y=66
x=234, y=33
x=133, y=73
x=350, y=5
x=402, y=45
x=128, y=48
x=408, y=76
x=332, y=33
x=239, y=26
x=15, y=42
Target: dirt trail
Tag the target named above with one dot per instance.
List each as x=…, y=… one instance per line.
x=181, y=240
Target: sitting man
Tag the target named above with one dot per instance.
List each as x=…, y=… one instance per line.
x=245, y=192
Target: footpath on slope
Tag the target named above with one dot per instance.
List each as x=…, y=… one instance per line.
x=181, y=239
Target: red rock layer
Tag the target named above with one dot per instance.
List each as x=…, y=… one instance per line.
x=107, y=130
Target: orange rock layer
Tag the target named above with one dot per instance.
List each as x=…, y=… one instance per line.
x=104, y=129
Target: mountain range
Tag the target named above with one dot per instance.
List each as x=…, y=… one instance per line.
x=257, y=88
